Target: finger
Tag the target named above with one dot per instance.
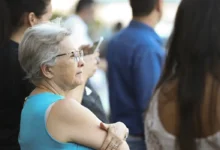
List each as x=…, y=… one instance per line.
x=127, y=131
x=104, y=126
x=126, y=135
x=107, y=142
x=111, y=145
x=117, y=145
x=112, y=129
x=114, y=144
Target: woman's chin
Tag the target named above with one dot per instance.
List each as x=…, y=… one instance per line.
x=80, y=81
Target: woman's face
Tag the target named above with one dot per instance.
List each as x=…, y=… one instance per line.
x=68, y=71
x=33, y=19
x=46, y=17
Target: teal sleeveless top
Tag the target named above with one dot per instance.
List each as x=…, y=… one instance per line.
x=33, y=132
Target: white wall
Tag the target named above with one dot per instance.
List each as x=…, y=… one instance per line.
x=111, y=11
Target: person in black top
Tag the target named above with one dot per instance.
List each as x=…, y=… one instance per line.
x=15, y=17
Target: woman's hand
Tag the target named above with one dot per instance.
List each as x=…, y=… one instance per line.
x=117, y=134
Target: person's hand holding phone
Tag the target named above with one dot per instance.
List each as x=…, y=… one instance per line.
x=91, y=64
x=87, y=49
x=90, y=49
x=97, y=44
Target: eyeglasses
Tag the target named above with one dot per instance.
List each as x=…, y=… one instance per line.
x=77, y=55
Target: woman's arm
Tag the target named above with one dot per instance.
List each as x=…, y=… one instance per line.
x=77, y=124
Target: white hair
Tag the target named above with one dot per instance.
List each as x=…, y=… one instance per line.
x=40, y=46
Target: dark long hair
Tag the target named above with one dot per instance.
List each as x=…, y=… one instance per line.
x=193, y=52
x=12, y=15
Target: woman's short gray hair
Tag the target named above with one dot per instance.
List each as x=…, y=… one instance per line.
x=40, y=46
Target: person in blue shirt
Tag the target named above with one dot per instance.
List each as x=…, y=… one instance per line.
x=135, y=59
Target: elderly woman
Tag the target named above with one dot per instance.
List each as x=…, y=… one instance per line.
x=50, y=119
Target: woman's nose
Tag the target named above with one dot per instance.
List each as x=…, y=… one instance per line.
x=81, y=63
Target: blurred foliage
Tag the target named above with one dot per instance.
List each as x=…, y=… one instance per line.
x=57, y=14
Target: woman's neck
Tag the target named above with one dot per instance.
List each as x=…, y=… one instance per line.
x=18, y=35
x=47, y=86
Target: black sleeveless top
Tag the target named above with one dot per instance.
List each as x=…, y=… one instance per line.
x=13, y=90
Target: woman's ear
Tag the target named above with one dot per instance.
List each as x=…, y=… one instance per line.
x=47, y=71
x=32, y=19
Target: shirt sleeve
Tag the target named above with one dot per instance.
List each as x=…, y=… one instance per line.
x=147, y=70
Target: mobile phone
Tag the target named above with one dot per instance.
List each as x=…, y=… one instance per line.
x=97, y=44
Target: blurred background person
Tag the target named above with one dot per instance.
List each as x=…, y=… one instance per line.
x=15, y=17
x=135, y=59
x=184, y=111
x=78, y=23
x=118, y=26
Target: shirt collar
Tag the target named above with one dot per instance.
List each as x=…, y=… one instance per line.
x=145, y=27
